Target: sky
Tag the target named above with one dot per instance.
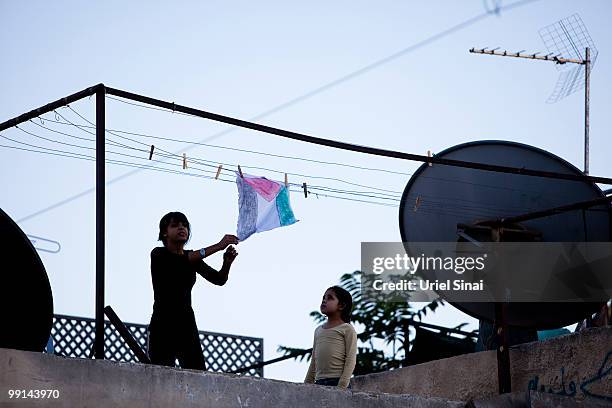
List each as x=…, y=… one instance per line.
x=389, y=74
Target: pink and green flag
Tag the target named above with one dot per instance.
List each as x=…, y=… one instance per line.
x=262, y=205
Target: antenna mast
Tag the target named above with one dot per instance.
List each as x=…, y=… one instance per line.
x=572, y=50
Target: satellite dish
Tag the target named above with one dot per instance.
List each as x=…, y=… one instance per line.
x=438, y=198
x=27, y=314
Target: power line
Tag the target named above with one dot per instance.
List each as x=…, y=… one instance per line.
x=376, y=194
x=433, y=178
x=437, y=204
x=54, y=152
x=307, y=95
x=386, y=196
x=374, y=151
x=426, y=207
x=312, y=189
x=430, y=203
x=216, y=163
x=164, y=152
x=196, y=144
x=436, y=208
x=437, y=179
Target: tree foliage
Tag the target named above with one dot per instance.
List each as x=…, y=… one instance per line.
x=383, y=322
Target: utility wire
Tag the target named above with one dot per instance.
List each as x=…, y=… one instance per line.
x=215, y=164
x=314, y=189
x=195, y=144
x=425, y=209
x=303, y=97
x=433, y=178
x=54, y=152
x=449, y=203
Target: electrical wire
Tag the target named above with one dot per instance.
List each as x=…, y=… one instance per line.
x=329, y=85
x=216, y=163
x=432, y=205
x=112, y=131
x=311, y=189
x=495, y=187
x=177, y=172
x=481, y=210
x=428, y=205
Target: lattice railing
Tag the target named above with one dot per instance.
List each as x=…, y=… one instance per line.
x=74, y=337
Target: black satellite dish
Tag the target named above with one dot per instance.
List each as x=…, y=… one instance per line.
x=445, y=196
x=27, y=313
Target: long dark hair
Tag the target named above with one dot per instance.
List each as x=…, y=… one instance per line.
x=167, y=219
x=345, y=299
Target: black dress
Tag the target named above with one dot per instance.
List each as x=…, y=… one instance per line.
x=173, y=333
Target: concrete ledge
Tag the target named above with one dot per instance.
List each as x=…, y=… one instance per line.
x=578, y=365
x=534, y=399
x=91, y=383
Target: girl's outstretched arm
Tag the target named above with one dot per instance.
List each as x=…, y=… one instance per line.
x=227, y=240
x=350, y=342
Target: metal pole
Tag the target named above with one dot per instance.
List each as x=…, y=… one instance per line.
x=527, y=56
x=504, y=376
x=587, y=77
x=49, y=107
x=351, y=147
x=552, y=211
x=125, y=334
x=100, y=181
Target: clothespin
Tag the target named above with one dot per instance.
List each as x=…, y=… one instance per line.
x=184, y=161
x=151, y=152
x=429, y=155
x=240, y=171
x=286, y=181
x=417, y=202
x=218, y=171
x=305, y=190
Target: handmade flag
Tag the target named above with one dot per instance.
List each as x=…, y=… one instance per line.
x=262, y=205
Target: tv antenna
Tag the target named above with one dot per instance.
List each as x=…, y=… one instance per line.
x=572, y=50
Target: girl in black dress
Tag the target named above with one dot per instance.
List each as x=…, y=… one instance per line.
x=173, y=333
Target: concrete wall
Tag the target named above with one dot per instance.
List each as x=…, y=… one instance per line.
x=577, y=364
x=89, y=383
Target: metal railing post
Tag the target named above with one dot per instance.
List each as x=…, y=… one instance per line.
x=100, y=221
